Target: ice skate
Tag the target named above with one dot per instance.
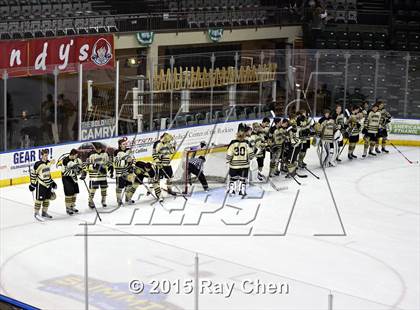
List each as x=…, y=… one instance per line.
x=46, y=215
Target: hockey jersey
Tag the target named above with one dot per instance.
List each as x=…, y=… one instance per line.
x=71, y=167
x=258, y=143
x=385, y=118
x=328, y=129
x=98, y=165
x=372, y=121
x=163, y=152
x=239, y=154
x=41, y=174
x=354, y=125
x=122, y=162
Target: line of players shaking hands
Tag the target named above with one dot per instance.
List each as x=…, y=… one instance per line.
x=286, y=140
x=129, y=174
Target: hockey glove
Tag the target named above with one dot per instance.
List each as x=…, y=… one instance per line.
x=32, y=187
x=53, y=185
x=83, y=176
x=111, y=172
x=102, y=170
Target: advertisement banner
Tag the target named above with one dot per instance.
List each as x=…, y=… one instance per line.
x=17, y=61
x=405, y=127
x=99, y=129
x=40, y=56
x=16, y=164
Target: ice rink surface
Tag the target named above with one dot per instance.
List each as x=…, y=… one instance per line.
x=364, y=251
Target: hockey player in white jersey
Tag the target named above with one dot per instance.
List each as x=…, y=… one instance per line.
x=238, y=156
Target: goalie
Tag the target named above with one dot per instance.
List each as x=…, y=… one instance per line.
x=238, y=156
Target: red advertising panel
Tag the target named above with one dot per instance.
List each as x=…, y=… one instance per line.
x=96, y=52
x=43, y=55
x=14, y=57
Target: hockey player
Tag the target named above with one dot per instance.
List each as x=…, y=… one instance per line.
x=163, y=151
x=325, y=117
x=328, y=131
x=340, y=121
x=304, y=124
x=71, y=167
x=238, y=156
x=122, y=165
x=259, y=145
x=196, y=167
x=365, y=108
x=265, y=125
x=371, y=129
x=141, y=171
x=41, y=181
x=353, y=129
x=97, y=166
x=276, y=140
x=292, y=146
x=383, y=124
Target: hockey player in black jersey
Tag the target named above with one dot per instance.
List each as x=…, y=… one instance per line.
x=71, y=167
x=383, y=127
x=304, y=124
x=123, y=168
x=292, y=146
x=142, y=170
x=353, y=129
x=42, y=184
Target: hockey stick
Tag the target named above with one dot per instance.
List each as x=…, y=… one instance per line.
x=306, y=168
x=342, y=149
x=87, y=188
x=149, y=191
x=29, y=167
x=294, y=178
x=411, y=162
x=171, y=192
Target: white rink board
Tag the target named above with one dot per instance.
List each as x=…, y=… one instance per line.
x=15, y=164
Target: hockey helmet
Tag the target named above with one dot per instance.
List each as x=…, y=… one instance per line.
x=167, y=137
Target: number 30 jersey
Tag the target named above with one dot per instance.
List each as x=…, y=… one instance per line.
x=239, y=154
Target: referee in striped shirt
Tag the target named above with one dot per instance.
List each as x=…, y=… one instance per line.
x=195, y=166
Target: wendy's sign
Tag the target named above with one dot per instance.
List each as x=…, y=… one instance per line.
x=41, y=56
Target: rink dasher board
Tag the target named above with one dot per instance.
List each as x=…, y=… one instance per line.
x=14, y=165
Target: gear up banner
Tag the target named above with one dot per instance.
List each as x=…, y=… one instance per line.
x=41, y=56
